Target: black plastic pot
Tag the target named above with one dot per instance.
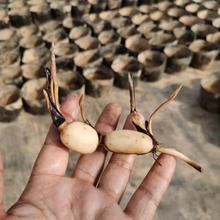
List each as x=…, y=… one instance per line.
x=11, y=74
x=49, y=26
x=10, y=103
x=9, y=56
x=193, y=8
x=127, y=31
x=98, y=7
x=65, y=52
x=64, y=48
x=139, y=18
x=54, y=36
x=112, y=4
x=79, y=8
x=176, y=12
x=110, y=36
x=108, y=14
x=146, y=8
x=128, y=11
x=87, y=42
x=204, y=53
x=119, y=22
x=97, y=25
x=136, y=44
x=210, y=93
x=78, y=32
x=190, y=20
x=164, y=5
x=99, y=80
x=181, y=3
x=6, y=34
x=147, y=27
x=37, y=55
x=28, y=30
x=57, y=11
x=160, y=39
x=32, y=71
x=169, y=25
x=185, y=37
x=9, y=42
x=70, y=81
x=40, y=13
x=32, y=96
x=109, y=51
x=211, y=5
x=89, y=58
x=20, y=17
x=201, y=30
x=179, y=58
x=154, y=63
x=213, y=38
x=158, y=15
x=216, y=22
x=122, y=65
x=31, y=41
x=207, y=15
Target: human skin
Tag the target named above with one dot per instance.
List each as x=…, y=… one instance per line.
x=90, y=193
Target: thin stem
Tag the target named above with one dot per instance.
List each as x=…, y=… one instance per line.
x=54, y=86
x=81, y=105
x=132, y=92
x=51, y=87
x=170, y=98
x=179, y=155
x=137, y=119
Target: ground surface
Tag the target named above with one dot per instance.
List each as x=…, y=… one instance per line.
x=182, y=124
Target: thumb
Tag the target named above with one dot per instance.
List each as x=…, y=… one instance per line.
x=2, y=210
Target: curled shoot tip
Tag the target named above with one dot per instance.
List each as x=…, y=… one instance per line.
x=179, y=155
x=172, y=96
x=132, y=92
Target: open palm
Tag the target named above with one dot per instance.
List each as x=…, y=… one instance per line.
x=91, y=192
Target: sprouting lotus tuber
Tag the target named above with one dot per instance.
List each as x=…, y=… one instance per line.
x=78, y=136
x=142, y=141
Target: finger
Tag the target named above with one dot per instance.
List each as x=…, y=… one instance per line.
x=116, y=175
x=145, y=200
x=89, y=166
x=53, y=157
x=2, y=210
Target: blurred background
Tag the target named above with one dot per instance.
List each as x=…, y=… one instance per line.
x=97, y=43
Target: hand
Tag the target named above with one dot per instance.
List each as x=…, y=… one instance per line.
x=50, y=194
